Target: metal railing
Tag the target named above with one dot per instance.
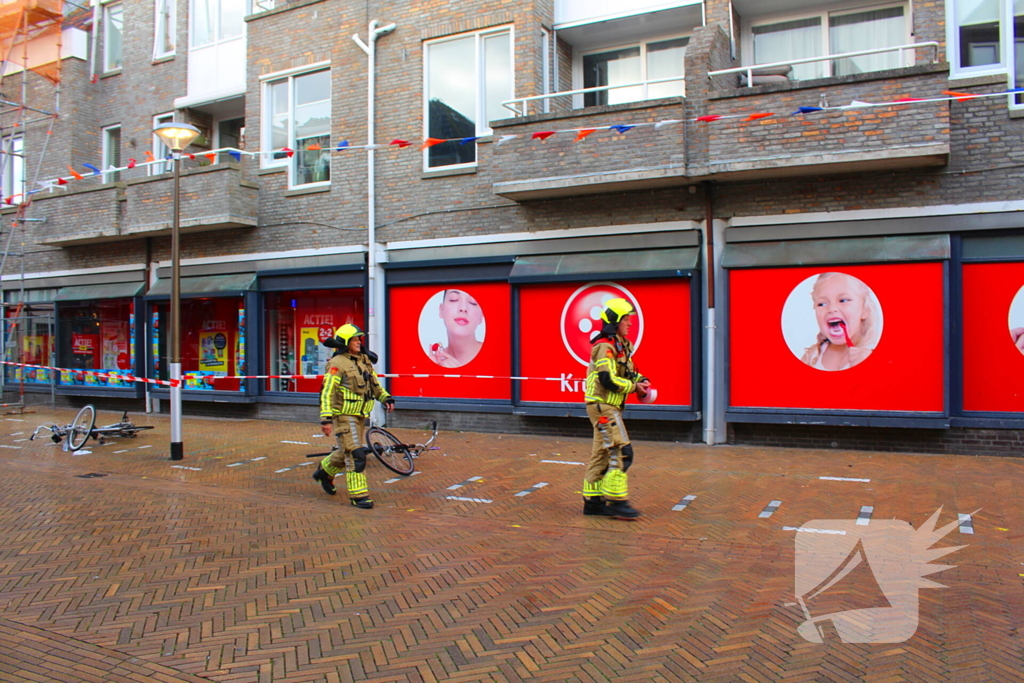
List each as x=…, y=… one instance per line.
x=525, y=111
x=749, y=70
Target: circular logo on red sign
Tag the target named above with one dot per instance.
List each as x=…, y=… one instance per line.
x=325, y=332
x=581, y=317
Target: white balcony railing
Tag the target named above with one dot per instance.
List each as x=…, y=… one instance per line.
x=901, y=49
x=524, y=110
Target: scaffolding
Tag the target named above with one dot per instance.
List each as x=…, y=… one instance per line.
x=30, y=39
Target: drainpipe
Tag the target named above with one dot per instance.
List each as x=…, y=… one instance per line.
x=374, y=300
x=711, y=330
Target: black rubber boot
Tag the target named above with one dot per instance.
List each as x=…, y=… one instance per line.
x=364, y=503
x=325, y=480
x=621, y=509
x=593, y=505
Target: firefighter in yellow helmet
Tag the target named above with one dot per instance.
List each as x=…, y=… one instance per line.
x=611, y=377
x=346, y=398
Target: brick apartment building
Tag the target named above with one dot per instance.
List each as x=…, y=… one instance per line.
x=576, y=149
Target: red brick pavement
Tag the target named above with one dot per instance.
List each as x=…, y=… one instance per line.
x=242, y=569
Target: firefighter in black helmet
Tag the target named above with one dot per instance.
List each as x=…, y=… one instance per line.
x=346, y=398
x=611, y=377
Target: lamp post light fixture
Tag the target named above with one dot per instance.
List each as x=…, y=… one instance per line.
x=177, y=136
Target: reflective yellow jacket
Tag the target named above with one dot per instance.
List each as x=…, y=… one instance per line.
x=613, y=355
x=350, y=386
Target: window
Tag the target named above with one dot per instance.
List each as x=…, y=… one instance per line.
x=987, y=36
x=160, y=150
x=297, y=115
x=467, y=79
x=833, y=33
x=230, y=133
x=12, y=169
x=166, y=25
x=636, y=64
x=212, y=342
x=112, y=152
x=96, y=335
x=113, y=36
x=215, y=21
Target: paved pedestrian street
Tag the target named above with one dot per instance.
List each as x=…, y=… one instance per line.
x=233, y=565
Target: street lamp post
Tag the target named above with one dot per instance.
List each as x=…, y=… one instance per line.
x=177, y=136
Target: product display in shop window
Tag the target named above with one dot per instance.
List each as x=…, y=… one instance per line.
x=212, y=343
x=96, y=336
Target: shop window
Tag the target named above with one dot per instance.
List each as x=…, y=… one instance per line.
x=635, y=64
x=298, y=116
x=113, y=36
x=212, y=342
x=28, y=333
x=297, y=323
x=467, y=79
x=98, y=336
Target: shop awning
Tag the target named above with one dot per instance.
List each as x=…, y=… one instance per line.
x=654, y=263
x=117, y=290
x=207, y=284
x=837, y=251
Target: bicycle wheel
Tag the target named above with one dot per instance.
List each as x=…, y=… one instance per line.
x=391, y=452
x=81, y=428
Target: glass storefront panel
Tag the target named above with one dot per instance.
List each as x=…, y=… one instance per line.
x=29, y=339
x=212, y=342
x=297, y=323
x=96, y=335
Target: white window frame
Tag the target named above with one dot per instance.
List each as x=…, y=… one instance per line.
x=160, y=149
x=479, y=76
x=824, y=15
x=107, y=155
x=577, y=60
x=268, y=160
x=1007, y=64
x=161, y=28
x=107, y=9
x=217, y=40
x=13, y=167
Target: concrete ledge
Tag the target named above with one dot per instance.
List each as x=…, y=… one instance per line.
x=593, y=183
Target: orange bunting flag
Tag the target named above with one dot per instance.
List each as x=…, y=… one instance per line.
x=211, y=157
x=960, y=96
x=314, y=147
x=542, y=135
x=149, y=156
x=709, y=117
x=430, y=142
x=131, y=163
x=288, y=152
x=582, y=134
x=402, y=144
x=755, y=117
x=75, y=174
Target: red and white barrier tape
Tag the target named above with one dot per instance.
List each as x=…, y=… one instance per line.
x=390, y=374
x=94, y=373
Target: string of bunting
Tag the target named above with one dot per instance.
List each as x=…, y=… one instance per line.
x=580, y=134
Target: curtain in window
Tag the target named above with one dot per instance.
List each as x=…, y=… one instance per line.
x=866, y=31
x=790, y=40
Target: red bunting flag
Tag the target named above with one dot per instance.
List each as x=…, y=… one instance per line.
x=314, y=147
x=542, y=135
x=288, y=152
x=401, y=144
x=131, y=163
x=191, y=156
x=582, y=134
x=75, y=174
x=149, y=156
x=211, y=156
x=709, y=117
x=430, y=142
x=755, y=117
x=61, y=181
x=960, y=96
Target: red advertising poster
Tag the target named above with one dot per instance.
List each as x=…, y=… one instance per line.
x=559, y=320
x=993, y=337
x=85, y=347
x=455, y=330
x=864, y=337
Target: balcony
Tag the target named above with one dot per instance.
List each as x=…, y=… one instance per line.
x=851, y=135
x=647, y=156
x=212, y=198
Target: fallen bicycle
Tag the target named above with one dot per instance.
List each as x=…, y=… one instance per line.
x=75, y=435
